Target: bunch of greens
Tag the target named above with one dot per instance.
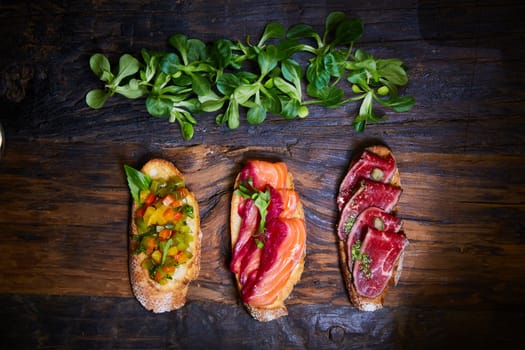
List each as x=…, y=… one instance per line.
x=227, y=77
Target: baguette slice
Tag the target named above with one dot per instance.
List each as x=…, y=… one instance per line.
x=277, y=308
x=364, y=303
x=172, y=295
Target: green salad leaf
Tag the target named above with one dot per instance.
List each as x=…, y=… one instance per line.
x=137, y=181
x=234, y=79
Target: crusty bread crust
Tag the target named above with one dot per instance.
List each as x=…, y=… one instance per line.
x=363, y=303
x=277, y=308
x=172, y=295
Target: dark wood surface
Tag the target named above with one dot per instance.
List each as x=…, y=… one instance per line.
x=65, y=205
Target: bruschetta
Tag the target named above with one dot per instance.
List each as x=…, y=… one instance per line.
x=370, y=237
x=268, y=238
x=165, y=236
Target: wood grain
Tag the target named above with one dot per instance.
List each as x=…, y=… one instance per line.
x=76, y=231
x=65, y=204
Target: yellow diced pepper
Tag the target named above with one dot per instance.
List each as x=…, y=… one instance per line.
x=148, y=213
x=143, y=194
x=172, y=251
x=157, y=256
x=157, y=217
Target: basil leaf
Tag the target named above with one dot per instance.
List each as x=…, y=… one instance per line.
x=399, y=103
x=256, y=115
x=99, y=64
x=366, y=105
x=169, y=63
x=137, y=181
x=108, y=77
x=348, y=31
x=358, y=77
x=158, y=107
x=182, y=80
x=128, y=65
x=332, y=20
x=361, y=55
x=227, y=84
x=212, y=105
x=221, y=118
x=332, y=65
x=286, y=48
x=267, y=59
x=317, y=74
x=329, y=96
x=292, y=72
x=189, y=117
x=186, y=129
x=196, y=50
x=359, y=123
x=151, y=67
x=289, y=107
x=221, y=53
x=273, y=30
x=299, y=31
x=130, y=91
x=287, y=88
x=232, y=114
x=393, y=71
x=96, y=98
x=270, y=101
x=247, y=77
x=243, y=92
x=200, y=84
x=178, y=41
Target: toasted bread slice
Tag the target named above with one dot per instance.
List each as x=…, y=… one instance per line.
x=363, y=303
x=277, y=308
x=172, y=295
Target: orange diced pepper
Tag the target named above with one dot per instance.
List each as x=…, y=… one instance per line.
x=170, y=201
x=165, y=234
x=181, y=193
x=140, y=212
x=150, y=199
x=181, y=257
x=150, y=244
x=158, y=275
x=168, y=269
x=172, y=215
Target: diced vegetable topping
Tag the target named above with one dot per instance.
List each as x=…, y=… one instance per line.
x=163, y=233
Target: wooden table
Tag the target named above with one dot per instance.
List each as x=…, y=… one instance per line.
x=65, y=203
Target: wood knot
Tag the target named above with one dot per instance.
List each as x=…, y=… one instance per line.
x=336, y=334
x=14, y=81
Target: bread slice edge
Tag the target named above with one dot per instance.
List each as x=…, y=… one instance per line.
x=278, y=307
x=171, y=296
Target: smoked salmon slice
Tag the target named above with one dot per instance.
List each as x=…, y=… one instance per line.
x=250, y=215
x=264, y=260
x=284, y=248
x=265, y=173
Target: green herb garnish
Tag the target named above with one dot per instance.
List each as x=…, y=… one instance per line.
x=362, y=257
x=196, y=77
x=165, y=248
x=188, y=210
x=261, y=200
x=349, y=224
x=137, y=181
